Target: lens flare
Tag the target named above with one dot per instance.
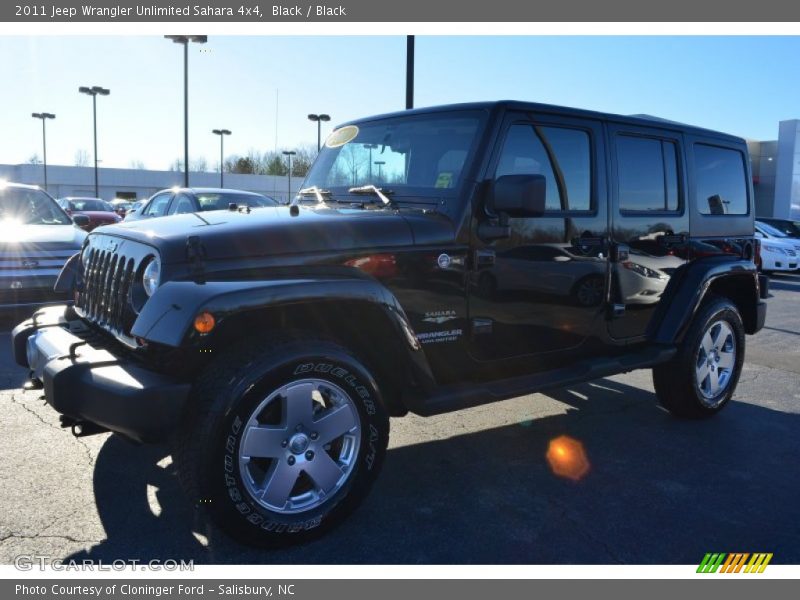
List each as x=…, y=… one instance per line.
x=11, y=230
x=204, y=322
x=567, y=458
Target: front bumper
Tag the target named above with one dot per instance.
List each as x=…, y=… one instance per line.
x=86, y=381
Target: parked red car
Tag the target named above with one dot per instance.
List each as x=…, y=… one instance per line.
x=99, y=211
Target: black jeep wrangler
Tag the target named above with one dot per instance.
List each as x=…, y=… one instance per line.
x=437, y=259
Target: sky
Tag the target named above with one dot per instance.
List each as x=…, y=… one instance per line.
x=740, y=85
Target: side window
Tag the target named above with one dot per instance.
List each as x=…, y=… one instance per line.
x=720, y=180
x=557, y=153
x=158, y=205
x=648, y=174
x=182, y=205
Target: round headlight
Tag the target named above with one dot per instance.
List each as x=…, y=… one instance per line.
x=151, y=276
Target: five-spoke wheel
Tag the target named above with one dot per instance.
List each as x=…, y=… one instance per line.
x=716, y=358
x=299, y=446
x=286, y=439
x=702, y=376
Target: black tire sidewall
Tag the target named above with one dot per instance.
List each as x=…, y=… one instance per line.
x=715, y=311
x=227, y=497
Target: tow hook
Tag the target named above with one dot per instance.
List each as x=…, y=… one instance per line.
x=32, y=383
x=86, y=428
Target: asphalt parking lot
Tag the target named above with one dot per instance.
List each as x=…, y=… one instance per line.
x=469, y=487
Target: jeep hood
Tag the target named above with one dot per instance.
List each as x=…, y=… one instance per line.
x=274, y=231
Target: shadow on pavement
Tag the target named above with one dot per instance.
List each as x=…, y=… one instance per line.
x=659, y=490
x=11, y=375
x=784, y=282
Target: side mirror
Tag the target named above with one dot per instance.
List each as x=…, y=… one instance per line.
x=519, y=195
x=81, y=220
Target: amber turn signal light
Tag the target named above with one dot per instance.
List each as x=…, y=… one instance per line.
x=204, y=322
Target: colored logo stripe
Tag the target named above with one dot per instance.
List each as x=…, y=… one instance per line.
x=734, y=562
x=758, y=563
x=711, y=562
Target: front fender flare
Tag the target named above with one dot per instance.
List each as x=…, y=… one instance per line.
x=167, y=317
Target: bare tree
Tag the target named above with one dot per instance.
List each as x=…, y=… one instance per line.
x=34, y=160
x=81, y=158
x=303, y=160
x=199, y=165
x=353, y=162
x=137, y=164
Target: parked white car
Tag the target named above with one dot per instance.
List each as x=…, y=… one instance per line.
x=778, y=251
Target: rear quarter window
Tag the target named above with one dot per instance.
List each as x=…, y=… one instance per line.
x=720, y=180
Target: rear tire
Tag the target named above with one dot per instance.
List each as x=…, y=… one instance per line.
x=701, y=379
x=284, y=441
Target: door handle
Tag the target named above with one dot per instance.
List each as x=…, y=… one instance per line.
x=586, y=240
x=672, y=238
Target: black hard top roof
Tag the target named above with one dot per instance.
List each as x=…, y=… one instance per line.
x=500, y=105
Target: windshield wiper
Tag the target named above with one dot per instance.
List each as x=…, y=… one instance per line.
x=372, y=189
x=313, y=190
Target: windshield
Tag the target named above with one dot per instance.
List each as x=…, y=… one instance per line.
x=420, y=154
x=30, y=207
x=770, y=230
x=222, y=200
x=90, y=204
x=788, y=227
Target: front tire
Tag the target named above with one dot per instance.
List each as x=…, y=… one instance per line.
x=285, y=442
x=701, y=379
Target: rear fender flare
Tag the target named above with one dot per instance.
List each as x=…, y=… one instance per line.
x=691, y=284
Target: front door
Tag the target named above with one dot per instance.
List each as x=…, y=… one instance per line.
x=541, y=291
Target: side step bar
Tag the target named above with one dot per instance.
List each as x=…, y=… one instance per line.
x=465, y=395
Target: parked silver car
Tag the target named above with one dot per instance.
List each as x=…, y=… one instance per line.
x=36, y=239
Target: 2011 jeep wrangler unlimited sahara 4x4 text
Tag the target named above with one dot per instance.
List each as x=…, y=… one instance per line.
x=436, y=259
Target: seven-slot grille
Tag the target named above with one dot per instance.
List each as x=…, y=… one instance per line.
x=109, y=274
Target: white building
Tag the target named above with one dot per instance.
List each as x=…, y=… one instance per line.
x=135, y=184
x=776, y=173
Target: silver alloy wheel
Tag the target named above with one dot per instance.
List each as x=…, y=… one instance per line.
x=716, y=358
x=299, y=446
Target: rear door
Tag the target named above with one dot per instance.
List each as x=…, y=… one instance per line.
x=650, y=223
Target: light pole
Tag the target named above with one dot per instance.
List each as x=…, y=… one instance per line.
x=185, y=40
x=409, y=72
x=290, y=154
x=370, y=147
x=94, y=91
x=221, y=133
x=44, y=116
x=380, y=164
x=319, y=119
